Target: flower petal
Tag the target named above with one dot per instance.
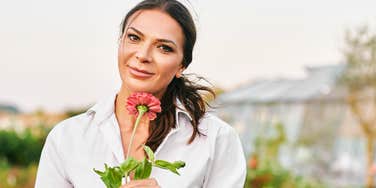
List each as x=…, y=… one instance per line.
x=143, y=98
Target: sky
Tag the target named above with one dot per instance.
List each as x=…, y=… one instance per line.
x=56, y=55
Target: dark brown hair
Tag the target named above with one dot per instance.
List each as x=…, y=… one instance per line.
x=187, y=91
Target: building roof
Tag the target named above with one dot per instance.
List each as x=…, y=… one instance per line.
x=319, y=83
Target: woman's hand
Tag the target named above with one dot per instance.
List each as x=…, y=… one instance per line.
x=146, y=183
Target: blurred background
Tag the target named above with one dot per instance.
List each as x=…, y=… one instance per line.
x=296, y=79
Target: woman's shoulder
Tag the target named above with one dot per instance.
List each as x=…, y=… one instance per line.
x=81, y=123
x=215, y=126
x=220, y=135
x=71, y=126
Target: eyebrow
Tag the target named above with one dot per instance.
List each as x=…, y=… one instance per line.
x=159, y=40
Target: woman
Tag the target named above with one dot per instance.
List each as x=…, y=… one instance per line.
x=157, y=39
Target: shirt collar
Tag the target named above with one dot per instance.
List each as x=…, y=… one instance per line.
x=102, y=110
x=181, y=110
x=105, y=108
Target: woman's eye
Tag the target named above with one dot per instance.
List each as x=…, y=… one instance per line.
x=133, y=37
x=165, y=48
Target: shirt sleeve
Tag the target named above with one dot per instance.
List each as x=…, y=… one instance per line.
x=51, y=171
x=228, y=167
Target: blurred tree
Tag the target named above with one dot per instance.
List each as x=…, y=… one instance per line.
x=20, y=149
x=360, y=80
x=269, y=148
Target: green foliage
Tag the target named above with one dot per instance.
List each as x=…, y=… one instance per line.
x=112, y=176
x=359, y=78
x=129, y=165
x=272, y=175
x=264, y=170
x=20, y=148
x=360, y=56
x=19, y=155
x=143, y=170
x=268, y=147
x=149, y=152
x=13, y=177
x=169, y=166
x=4, y=164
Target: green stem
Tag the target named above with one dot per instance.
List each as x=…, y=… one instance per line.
x=141, y=111
x=140, y=114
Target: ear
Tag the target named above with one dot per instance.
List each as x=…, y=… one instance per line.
x=179, y=72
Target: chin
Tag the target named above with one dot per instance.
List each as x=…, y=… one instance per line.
x=139, y=88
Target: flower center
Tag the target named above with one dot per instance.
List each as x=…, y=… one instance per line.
x=142, y=108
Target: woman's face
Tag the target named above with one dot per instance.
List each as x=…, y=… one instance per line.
x=151, y=52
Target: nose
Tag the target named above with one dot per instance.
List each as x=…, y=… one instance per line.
x=143, y=53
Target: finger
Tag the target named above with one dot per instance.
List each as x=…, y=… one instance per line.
x=140, y=186
x=145, y=182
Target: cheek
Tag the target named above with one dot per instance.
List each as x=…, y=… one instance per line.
x=169, y=62
x=124, y=56
x=168, y=66
x=168, y=69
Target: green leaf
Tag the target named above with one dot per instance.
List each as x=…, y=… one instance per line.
x=129, y=165
x=170, y=166
x=149, y=152
x=143, y=170
x=178, y=164
x=100, y=173
x=111, y=177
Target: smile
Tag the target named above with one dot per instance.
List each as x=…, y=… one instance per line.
x=139, y=73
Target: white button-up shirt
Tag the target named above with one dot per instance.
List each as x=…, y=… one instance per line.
x=77, y=145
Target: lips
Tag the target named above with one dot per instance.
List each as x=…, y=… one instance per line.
x=139, y=73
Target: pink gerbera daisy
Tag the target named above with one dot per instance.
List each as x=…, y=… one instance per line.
x=145, y=102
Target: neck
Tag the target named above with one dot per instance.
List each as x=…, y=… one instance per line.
x=125, y=120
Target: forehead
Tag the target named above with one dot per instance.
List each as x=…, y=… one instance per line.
x=157, y=24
